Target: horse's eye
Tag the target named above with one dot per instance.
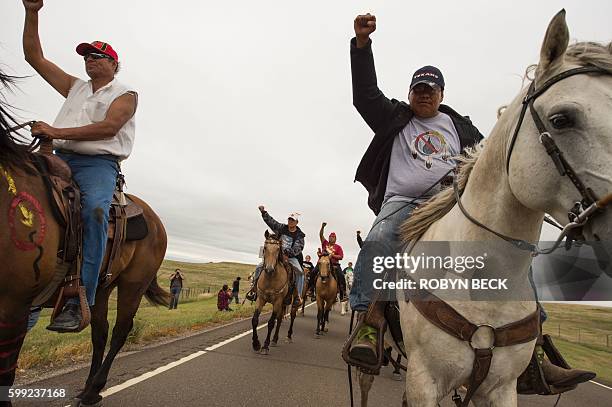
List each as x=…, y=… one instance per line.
x=561, y=121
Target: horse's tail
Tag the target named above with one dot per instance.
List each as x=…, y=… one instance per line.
x=157, y=295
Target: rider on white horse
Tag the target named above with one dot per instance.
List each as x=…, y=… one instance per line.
x=410, y=152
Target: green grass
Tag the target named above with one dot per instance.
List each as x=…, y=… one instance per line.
x=583, y=330
x=43, y=350
x=204, y=275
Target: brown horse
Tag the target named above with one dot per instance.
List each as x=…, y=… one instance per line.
x=327, y=291
x=28, y=251
x=272, y=287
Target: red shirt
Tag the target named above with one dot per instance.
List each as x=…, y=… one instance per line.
x=336, y=249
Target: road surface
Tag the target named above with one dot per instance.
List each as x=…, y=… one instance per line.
x=218, y=368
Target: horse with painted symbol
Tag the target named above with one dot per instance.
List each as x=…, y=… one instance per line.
x=29, y=243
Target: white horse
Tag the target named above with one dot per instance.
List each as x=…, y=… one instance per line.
x=577, y=113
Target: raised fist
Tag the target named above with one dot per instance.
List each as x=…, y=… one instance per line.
x=261, y=208
x=359, y=232
x=323, y=224
x=364, y=26
x=33, y=5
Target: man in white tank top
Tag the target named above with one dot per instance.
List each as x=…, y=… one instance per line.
x=93, y=132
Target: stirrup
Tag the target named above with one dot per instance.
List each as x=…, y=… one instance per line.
x=364, y=367
x=251, y=295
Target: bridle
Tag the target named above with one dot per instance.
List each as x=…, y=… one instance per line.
x=276, y=243
x=583, y=210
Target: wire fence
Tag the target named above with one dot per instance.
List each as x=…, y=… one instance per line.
x=187, y=293
x=587, y=336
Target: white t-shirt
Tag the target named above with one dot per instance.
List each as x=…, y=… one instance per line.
x=421, y=156
x=83, y=107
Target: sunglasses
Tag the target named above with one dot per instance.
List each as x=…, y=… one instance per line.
x=96, y=55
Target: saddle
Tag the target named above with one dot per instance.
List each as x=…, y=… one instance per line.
x=126, y=222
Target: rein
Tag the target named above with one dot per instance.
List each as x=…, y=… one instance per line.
x=36, y=140
x=280, y=254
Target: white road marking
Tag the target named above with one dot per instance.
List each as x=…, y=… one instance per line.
x=161, y=369
x=602, y=385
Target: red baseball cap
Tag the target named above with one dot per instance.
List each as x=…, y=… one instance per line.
x=97, y=46
x=332, y=234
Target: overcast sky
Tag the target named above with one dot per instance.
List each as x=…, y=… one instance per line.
x=245, y=103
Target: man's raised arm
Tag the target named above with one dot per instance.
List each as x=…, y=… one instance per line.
x=32, y=50
x=368, y=99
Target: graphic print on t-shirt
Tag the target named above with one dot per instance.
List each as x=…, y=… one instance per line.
x=429, y=145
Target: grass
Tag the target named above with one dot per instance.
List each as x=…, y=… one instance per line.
x=44, y=350
x=203, y=276
x=580, y=333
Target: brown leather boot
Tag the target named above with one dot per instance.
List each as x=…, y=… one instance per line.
x=560, y=377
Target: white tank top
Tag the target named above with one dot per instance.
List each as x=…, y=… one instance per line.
x=83, y=107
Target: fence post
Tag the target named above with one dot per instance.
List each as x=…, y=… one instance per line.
x=208, y=290
x=578, y=335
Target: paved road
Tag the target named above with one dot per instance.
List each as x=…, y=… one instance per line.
x=218, y=368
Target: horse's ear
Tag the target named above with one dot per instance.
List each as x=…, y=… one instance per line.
x=267, y=234
x=554, y=45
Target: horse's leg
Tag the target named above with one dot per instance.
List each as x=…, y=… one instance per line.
x=271, y=322
x=365, y=384
x=279, y=320
x=319, y=316
x=99, y=333
x=254, y=323
x=12, y=333
x=128, y=299
x=502, y=396
x=294, y=311
x=422, y=390
x=326, y=315
x=396, y=372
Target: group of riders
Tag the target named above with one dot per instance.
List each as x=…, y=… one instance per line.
x=404, y=165
x=302, y=271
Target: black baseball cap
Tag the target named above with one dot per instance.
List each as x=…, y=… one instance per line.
x=429, y=75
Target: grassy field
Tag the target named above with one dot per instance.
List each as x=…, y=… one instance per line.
x=43, y=349
x=583, y=333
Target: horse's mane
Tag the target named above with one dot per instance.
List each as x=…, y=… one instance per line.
x=12, y=152
x=580, y=53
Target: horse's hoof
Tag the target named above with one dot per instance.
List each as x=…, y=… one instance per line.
x=317, y=336
x=397, y=377
x=289, y=340
x=91, y=402
x=264, y=351
x=256, y=346
x=325, y=329
x=274, y=343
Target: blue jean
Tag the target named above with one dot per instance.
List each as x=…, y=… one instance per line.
x=299, y=275
x=175, y=295
x=96, y=176
x=382, y=240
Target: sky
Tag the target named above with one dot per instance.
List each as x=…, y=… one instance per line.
x=248, y=103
